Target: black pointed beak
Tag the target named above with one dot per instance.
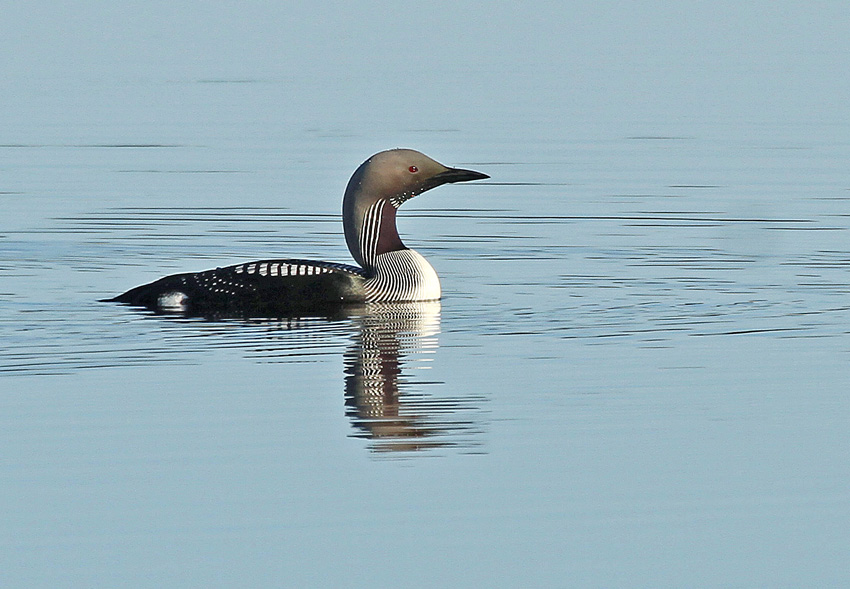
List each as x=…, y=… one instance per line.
x=450, y=175
x=459, y=175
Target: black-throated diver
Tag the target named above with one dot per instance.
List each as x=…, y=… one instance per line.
x=388, y=272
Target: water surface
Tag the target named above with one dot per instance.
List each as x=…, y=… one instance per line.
x=637, y=374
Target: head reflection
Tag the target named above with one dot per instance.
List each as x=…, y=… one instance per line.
x=383, y=399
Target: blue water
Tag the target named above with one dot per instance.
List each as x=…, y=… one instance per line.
x=637, y=375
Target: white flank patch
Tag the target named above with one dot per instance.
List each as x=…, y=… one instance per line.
x=173, y=301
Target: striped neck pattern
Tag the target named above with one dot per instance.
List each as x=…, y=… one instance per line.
x=370, y=233
x=402, y=276
x=378, y=233
x=395, y=273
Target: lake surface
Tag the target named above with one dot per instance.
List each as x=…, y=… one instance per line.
x=637, y=376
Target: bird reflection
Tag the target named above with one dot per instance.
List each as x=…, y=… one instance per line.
x=393, y=340
x=389, y=346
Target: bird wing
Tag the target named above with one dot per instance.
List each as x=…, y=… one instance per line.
x=261, y=288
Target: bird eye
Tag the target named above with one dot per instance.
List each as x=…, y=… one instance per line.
x=413, y=169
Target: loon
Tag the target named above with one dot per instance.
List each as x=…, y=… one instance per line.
x=388, y=272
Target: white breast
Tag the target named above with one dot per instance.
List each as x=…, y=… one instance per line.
x=403, y=276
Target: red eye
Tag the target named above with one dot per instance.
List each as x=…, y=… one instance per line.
x=413, y=169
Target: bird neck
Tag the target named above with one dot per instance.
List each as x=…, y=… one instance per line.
x=371, y=232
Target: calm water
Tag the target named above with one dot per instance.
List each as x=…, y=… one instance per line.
x=638, y=373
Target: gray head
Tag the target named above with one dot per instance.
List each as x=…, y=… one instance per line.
x=378, y=187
